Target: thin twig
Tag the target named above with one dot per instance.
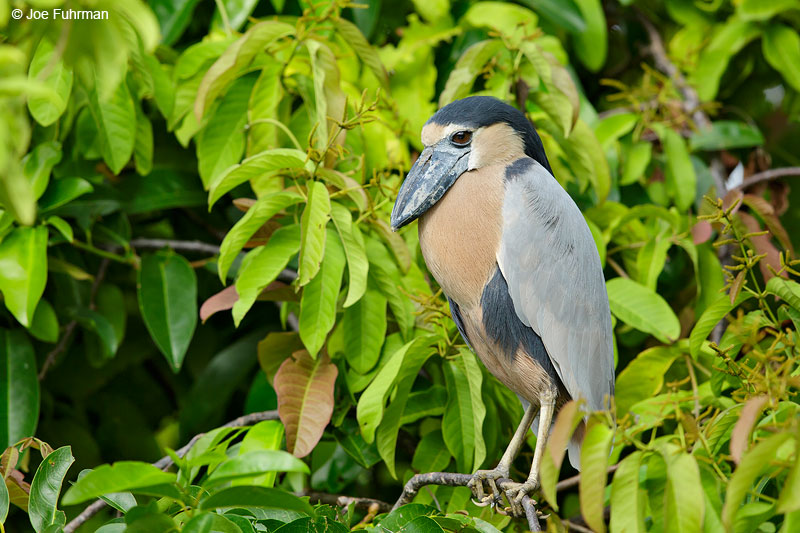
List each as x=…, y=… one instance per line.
x=574, y=526
x=450, y=479
x=186, y=246
x=344, y=501
x=166, y=461
x=768, y=175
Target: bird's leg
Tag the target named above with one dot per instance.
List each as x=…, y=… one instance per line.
x=503, y=467
x=515, y=493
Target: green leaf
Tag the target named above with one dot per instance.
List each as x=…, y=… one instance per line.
x=44, y=326
x=725, y=135
x=220, y=144
x=173, y=17
x=23, y=271
x=642, y=308
x=208, y=523
x=116, y=123
x=318, y=303
x=364, y=325
x=786, y=289
x=259, y=213
x=46, y=486
x=118, y=477
x=312, y=231
x=143, y=148
x=5, y=500
x=253, y=464
x=711, y=317
x=260, y=497
x=431, y=454
x=594, y=463
x=592, y=157
x=781, y=46
x=167, y=291
x=238, y=11
x=264, y=107
x=62, y=191
x=643, y=377
x=680, y=177
x=564, y=14
x=101, y=326
x=38, y=164
x=591, y=45
x=16, y=192
x=651, y=259
x=254, y=167
x=354, y=250
x=637, y=157
x=611, y=128
x=685, y=502
x=422, y=524
x=506, y=19
x=262, y=265
x=238, y=55
x=758, y=10
x=468, y=67
x=727, y=40
x=57, y=76
x=789, y=499
x=462, y=424
x=19, y=386
x=627, y=504
x=368, y=55
x=386, y=436
x=372, y=402
x=750, y=468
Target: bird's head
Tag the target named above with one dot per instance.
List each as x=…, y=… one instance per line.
x=465, y=135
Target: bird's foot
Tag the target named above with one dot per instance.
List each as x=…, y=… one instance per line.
x=489, y=478
x=515, y=493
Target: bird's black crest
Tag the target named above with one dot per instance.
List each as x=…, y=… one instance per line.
x=504, y=327
x=480, y=111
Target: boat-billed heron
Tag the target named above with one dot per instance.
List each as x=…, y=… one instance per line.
x=518, y=264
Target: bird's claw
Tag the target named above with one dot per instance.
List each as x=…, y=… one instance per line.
x=489, y=477
x=515, y=493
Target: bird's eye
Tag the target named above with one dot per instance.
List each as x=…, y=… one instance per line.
x=461, y=138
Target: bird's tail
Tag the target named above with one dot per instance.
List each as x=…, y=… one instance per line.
x=574, y=446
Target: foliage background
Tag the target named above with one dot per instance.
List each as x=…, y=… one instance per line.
x=245, y=156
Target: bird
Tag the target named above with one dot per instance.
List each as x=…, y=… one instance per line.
x=519, y=267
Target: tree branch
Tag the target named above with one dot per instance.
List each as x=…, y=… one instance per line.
x=450, y=479
x=768, y=175
x=166, y=461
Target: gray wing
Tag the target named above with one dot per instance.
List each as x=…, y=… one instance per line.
x=550, y=261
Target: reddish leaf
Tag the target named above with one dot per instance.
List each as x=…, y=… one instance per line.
x=766, y=212
x=743, y=427
x=275, y=348
x=305, y=399
x=701, y=232
x=222, y=301
x=243, y=204
x=736, y=286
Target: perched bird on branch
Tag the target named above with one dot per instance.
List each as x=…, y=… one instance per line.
x=519, y=266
